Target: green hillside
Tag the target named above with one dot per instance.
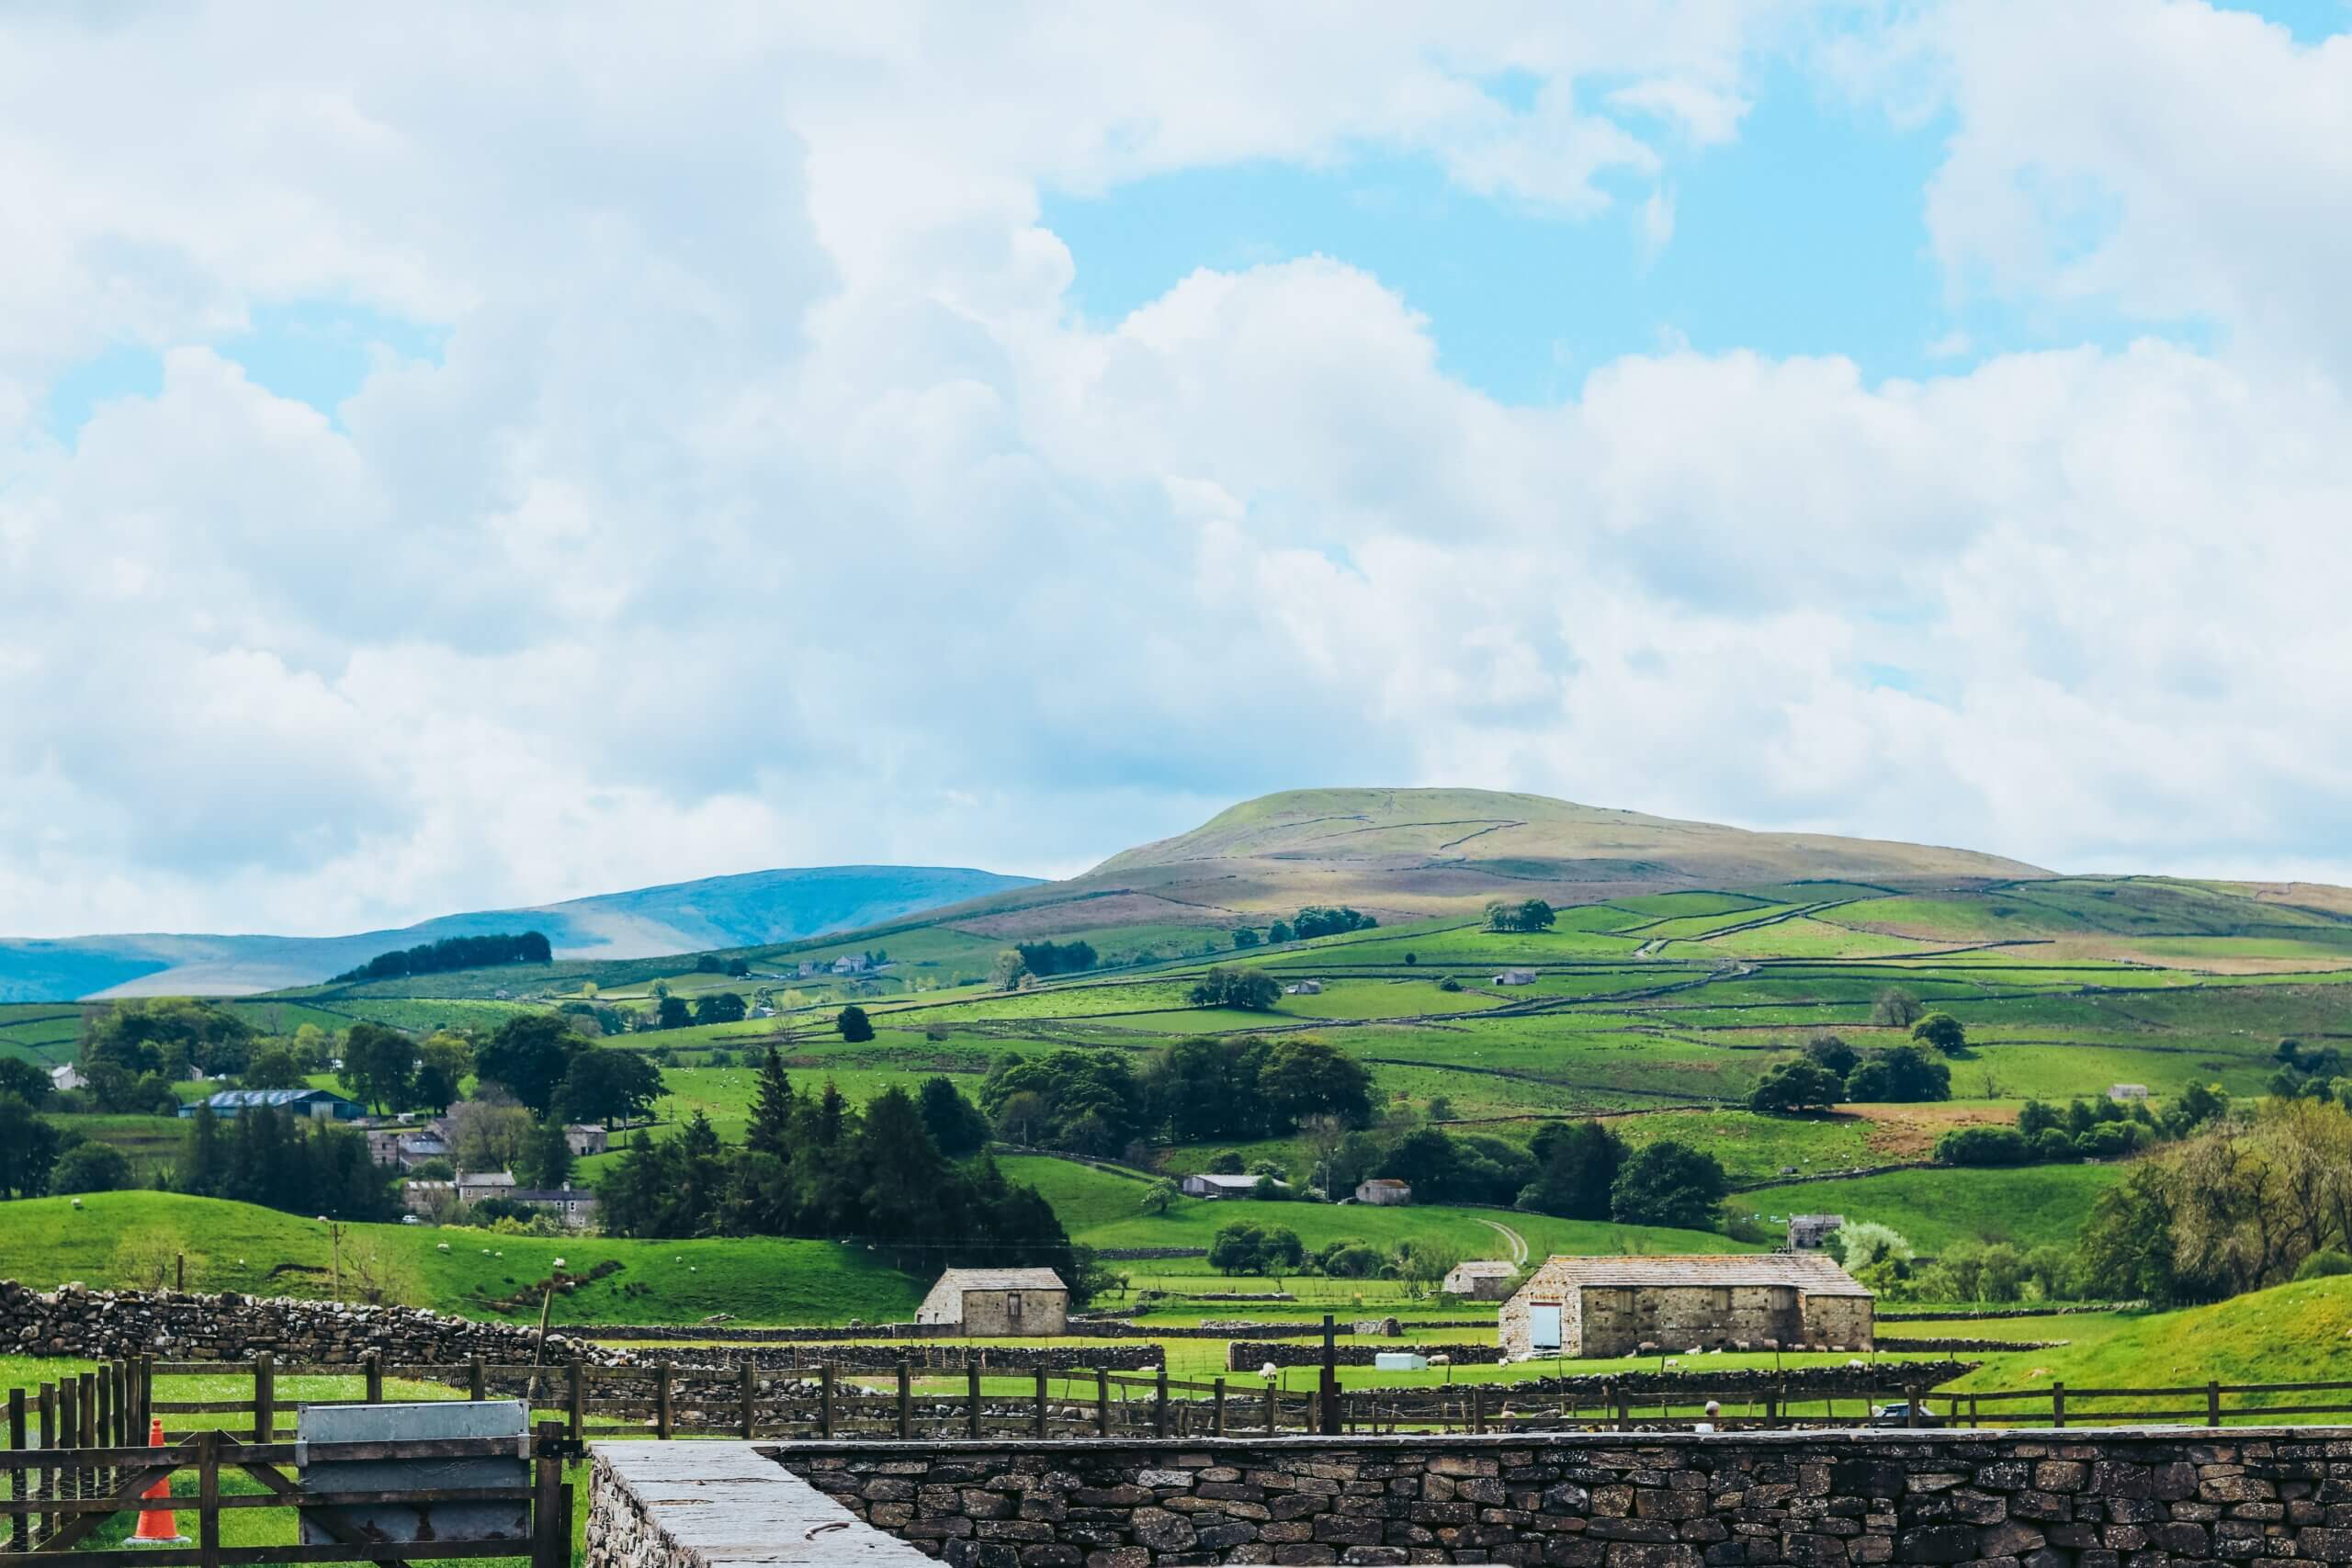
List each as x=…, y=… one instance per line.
x=1933, y=1209
x=236, y=1246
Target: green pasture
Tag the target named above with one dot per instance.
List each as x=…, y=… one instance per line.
x=2028, y=1205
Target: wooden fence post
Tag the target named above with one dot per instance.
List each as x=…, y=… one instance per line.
x=1272, y=1407
x=750, y=1392
x=46, y=1482
x=101, y=1421
x=1043, y=1423
x=69, y=1425
x=19, y=1527
x=1911, y=1405
x=2212, y=1405
x=662, y=1401
x=1101, y=1402
x=1477, y=1409
x=549, y=1550
x=1160, y=1402
x=825, y=1418
x=208, y=1498
x=146, y=1395
x=972, y=1387
x=2058, y=1405
x=375, y=1377
x=264, y=1398
x=1219, y=1427
x=577, y=1397
x=477, y=1380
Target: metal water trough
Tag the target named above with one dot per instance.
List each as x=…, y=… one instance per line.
x=423, y=1521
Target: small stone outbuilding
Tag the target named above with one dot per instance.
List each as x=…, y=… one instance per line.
x=1487, y=1281
x=1811, y=1232
x=1614, y=1306
x=1384, y=1191
x=997, y=1303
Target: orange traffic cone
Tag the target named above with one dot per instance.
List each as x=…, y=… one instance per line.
x=157, y=1526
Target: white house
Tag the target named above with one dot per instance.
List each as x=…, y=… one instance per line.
x=2124, y=1091
x=67, y=1076
x=1305, y=988
x=1516, y=978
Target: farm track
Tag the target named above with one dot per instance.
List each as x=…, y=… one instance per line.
x=1511, y=1239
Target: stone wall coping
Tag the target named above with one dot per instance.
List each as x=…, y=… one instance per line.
x=725, y=1502
x=1413, y=1442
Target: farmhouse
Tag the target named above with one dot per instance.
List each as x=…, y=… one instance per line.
x=1516, y=978
x=1485, y=1282
x=2124, y=1091
x=575, y=1206
x=473, y=1186
x=1386, y=1190
x=1305, y=988
x=67, y=1076
x=1808, y=1233
x=1208, y=1184
x=1614, y=1306
x=997, y=1302
x=316, y=1103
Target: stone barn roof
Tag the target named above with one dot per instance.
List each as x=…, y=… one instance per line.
x=1808, y=1271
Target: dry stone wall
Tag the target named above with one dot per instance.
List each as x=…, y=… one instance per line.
x=2058, y=1499
x=177, y=1327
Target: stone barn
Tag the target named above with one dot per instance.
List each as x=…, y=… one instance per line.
x=997, y=1303
x=1613, y=1306
x=1481, y=1281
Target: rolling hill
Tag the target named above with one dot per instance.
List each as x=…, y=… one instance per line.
x=746, y=910
x=1418, y=853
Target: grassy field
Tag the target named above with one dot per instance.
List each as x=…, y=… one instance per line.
x=236, y=1246
x=1933, y=1209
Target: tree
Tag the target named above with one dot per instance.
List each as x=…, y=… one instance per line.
x=1576, y=1165
x=1279, y=933
x=1895, y=1008
x=954, y=1123
x=1941, y=1031
x=489, y=1134
x=772, y=1105
x=608, y=1085
x=529, y=1056
x=720, y=1007
x=26, y=1080
x=1009, y=970
x=1245, y=936
x=1529, y=914
x=445, y=1060
x=273, y=1064
x=546, y=1157
x=1901, y=1075
x=855, y=1026
x=1829, y=1051
x=1162, y=1196
x=378, y=1066
x=1795, y=1086
x=92, y=1167
x=1861, y=1242
x=1238, y=1248
x=1316, y=920
x=168, y=1035
x=1668, y=1184
x=28, y=1149
x=1048, y=958
x=671, y=1012
x=1251, y=990
x=1305, y=1077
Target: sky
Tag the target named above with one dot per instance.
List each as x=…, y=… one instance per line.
x=455, y=457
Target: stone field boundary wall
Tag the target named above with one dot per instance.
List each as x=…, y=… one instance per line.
x=2073, y=1498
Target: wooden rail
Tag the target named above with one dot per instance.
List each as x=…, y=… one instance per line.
x=668, y=1399
x=63, y=1488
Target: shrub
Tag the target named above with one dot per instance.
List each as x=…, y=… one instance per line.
x=2325, y=1264
x=1861, y=1242
x=1985, y=1146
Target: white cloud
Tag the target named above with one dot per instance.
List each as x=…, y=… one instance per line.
x=766, y=506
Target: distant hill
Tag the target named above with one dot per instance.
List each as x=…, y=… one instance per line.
x=748, y=910
x=1422, y=852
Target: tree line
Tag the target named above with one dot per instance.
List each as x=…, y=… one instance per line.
x=454, y=953
x=905, y=1172
x=1096, y=1102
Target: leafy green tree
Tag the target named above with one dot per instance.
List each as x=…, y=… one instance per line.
x=608, y=1085
x=720, y=1007
x=1895, y=1008
x=1245, y=936
x=1901, y=1075
x=1576, y=1164
x=1009, y=970
x=1238, y=1248
x=1528, y=915
x=547, y=1161
x=204, y=1164
x=1794, y=1086
x=854, y=1026
x=671, y=1012
x=1162, y=1196
x=378, y=1066
x=1251, y=990
x=1304, y=1077
x=1941, y=1031
x=1279, y=933
x=1669, y=1183
x=954, y=1123
x=26, y=1080
x=168, y=1035
x=772, y=1105
x=445, y=1060
x=1830, y=1052
x=1985, y=1146
x=273, y=1064
x=529, y=1056
x=92, y=1167
x=28, y=1149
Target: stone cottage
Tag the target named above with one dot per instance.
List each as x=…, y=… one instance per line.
x=1487, y=1281
x=1384, y=1191
x=997, y=1303
x=1613, y=1306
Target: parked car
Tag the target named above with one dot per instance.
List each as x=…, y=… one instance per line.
x=1899, y=1415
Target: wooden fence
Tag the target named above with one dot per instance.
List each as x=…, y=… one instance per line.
x=60, y=1492
x=113, y=1404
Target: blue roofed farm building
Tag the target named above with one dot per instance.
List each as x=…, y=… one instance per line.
x=319, y=1104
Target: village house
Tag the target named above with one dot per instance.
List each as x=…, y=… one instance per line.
x=1210, y=1184
x=1384, y=1191
x=473, y=1186
x=1487, y=1281
x=575, y=1206
x=1620, y=1306
x=1810, y=1233
x=428, y=1198
x=316, y=1103
x=1516, y=978
x=987, y=1302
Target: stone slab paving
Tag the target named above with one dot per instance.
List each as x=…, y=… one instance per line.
x=711, y=1505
